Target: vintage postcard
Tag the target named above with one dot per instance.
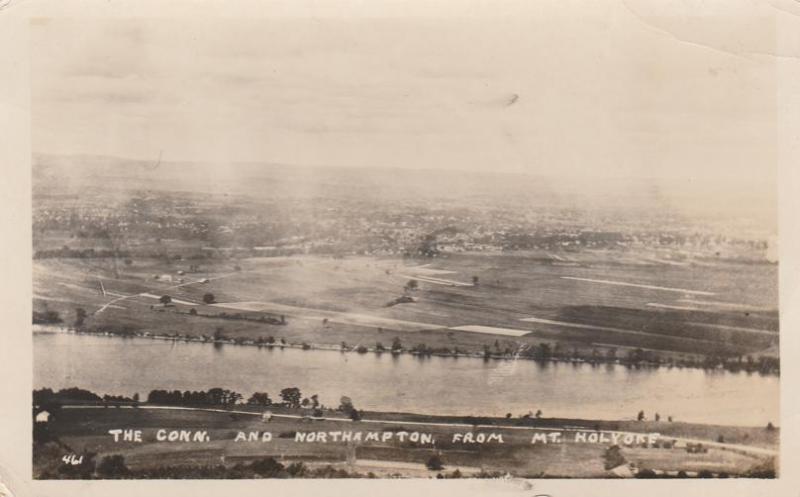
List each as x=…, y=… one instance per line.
x=517, y=242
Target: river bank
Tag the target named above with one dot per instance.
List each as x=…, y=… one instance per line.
x=637, y=361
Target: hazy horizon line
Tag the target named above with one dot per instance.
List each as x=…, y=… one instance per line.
x=387, y=168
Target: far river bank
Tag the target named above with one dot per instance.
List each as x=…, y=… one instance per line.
x=637, y=361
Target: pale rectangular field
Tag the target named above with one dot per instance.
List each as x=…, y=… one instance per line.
x=437, y=281
x=637, y=285
x=332, y=316
x=425, y=270
x=604, y=328
x=491, y=330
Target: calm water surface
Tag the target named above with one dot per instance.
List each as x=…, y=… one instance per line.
x=406, y=383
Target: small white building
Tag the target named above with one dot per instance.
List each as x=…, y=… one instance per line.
x=43, y=417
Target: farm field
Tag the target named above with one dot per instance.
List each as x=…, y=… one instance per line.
x=467, y=301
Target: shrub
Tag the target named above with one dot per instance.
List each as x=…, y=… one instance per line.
x=434, y=463
x=267, y=467
x=113, y=467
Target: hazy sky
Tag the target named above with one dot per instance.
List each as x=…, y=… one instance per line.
x=582, y=88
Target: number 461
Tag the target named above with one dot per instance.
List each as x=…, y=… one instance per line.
x=72, y=459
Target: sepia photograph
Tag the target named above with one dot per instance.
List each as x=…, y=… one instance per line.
x=520, y=241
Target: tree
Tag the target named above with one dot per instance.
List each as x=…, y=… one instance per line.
x=543, y=352
x=411, y=285
x=297, y=469
x=474, y=281
x=346, y=404
x=646, y=473
x=613, y=457
x=165, y=299
x=640, y=416
x=434, y=463
x=193, y=312
x=215, y=396
x=291, y=396
x=234, y=397
x=113, y=467
x=80, y=316
x=259, y=399
x=636, y=355
x=46, y=317
x=267, y=467
x=136, y=397
x=223, y=396
x=65, y=395
x=208, y=298
x=397, y=347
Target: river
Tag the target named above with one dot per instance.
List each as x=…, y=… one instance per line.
x=433, y=385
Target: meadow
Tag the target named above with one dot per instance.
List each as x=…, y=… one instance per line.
x=594, y=302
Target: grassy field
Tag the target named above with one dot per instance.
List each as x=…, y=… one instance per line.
x=83, y=430
x=582, y=301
